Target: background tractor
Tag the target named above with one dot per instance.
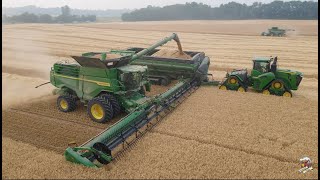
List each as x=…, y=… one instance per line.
x=265, y=77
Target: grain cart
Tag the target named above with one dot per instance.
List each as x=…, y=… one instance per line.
x=265, y=77
x=274, y=31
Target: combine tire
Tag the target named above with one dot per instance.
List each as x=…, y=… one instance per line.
x=66, y=103
x=287, y=94
x=142, y=91
x=114, y=103
x=100, y=109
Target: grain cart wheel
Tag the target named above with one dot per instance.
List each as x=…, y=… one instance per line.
x=266, y=92
x=66, y=103
x=241, y=89
x=114, y=103
x=100, y=109
x=287, y=94
x=233, y=80
x=164, y=81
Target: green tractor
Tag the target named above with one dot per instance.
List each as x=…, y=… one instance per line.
x=265, y=77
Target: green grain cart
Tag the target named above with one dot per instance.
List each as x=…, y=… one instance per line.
x=265, y=77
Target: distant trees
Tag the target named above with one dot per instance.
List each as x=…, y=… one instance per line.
x=231, y=10
x=65, y=17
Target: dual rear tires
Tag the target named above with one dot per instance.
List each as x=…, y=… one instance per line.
x=100, y=109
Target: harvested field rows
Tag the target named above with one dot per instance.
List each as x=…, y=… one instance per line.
x=213, y=134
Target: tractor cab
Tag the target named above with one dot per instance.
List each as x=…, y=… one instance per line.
x=263, y=65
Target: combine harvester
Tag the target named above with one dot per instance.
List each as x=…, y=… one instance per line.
x=107, y=82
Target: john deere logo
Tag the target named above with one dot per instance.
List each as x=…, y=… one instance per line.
x=306, y=165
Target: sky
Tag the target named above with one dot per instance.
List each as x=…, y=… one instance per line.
x=116, y=4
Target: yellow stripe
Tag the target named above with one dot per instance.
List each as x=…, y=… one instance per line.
x=100, y=83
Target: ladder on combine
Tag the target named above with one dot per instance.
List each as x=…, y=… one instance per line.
x=98, y=150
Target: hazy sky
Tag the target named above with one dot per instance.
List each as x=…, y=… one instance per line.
x=115, y=4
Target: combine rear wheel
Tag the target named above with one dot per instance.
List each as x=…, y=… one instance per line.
x=287, y=94
x=114, y=103
x=100, y=109
x=66, y=103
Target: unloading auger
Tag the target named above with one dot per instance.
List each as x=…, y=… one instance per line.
x=98, y=150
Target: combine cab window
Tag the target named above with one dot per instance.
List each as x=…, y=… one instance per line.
x=263, y=67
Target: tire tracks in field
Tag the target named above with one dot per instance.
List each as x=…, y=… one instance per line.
x=230, y=147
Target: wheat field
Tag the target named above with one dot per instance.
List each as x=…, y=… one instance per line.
x=212, y=134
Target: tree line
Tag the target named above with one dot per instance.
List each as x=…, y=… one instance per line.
x=65, y=17
x=231, y=10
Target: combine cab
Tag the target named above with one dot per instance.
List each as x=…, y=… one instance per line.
x=265, y=77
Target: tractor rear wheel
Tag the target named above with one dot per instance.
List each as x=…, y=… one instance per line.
x=114, y=103
x=233, y=80
x=287, y=94
x=277, y=85
x=100, y=109
x=66, y=103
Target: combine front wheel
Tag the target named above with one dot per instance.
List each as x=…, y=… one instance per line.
x=100, y=109
x=114, y=103
x=66, y=103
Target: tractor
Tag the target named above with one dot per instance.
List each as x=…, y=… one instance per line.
x=265, y=77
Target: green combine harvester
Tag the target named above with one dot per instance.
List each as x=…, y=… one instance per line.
x=109, y=85
x=265, y=77
x=276, y=31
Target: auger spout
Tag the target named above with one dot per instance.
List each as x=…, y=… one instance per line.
x=174, y=37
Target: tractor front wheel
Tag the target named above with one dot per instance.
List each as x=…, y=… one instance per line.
x=266, y=92
x=100, y=109
x=241, y=89
x=223, y=87
x=287, y=94
x=66, y=103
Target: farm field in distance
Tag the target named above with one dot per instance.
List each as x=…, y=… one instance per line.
x=212, y=134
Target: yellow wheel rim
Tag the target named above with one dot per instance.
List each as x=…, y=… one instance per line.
x=277, y=85
x=63, y=104
x=241, y=89
x=223, y=87
x=233, y=81
x=266, y=92
x=286, y=94
x=97, y=111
